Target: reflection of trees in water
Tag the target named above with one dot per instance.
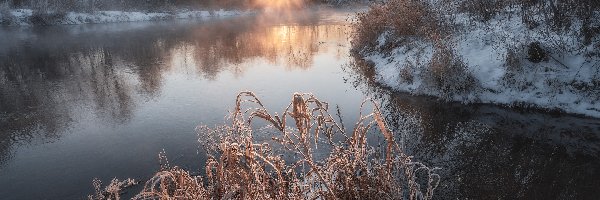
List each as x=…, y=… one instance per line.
x=50, y=77
x=488, y=152
x=225, y=47
x=110, y=91
x=146, y=61
x=43, y=88
x=512, y=167
x=53, y=84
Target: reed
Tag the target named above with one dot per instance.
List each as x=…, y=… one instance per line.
x=240, y=167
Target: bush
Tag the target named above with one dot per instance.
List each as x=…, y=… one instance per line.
x=448, y=74
x=512, y=60
x=407, y=73
x=485, y=10
x=400, y=18
x=368, y=27
x=514, y=67
x=6, y=17
x=240, y=167
x=536, y=52
x=46, y=18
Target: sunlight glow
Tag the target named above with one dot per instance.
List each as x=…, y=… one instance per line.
x=278, y=5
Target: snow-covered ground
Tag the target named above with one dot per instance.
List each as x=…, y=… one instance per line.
x=568, y=79
x=23, y=17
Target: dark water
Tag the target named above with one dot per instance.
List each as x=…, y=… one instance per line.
x=79, y=102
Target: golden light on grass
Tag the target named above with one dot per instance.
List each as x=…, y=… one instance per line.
x=241, y=167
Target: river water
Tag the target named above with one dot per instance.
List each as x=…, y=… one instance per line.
x=101, y=101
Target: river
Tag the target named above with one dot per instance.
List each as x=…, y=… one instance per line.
x=101, y=101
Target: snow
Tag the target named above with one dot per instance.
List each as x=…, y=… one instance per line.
x=567, y=81
x=22, y=16
x=111, y=17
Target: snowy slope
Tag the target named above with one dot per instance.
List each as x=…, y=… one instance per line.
x=568, y=80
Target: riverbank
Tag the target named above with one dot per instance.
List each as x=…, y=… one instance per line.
x=515, y=55
x=27, y=17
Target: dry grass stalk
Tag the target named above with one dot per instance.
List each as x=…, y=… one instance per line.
x=112, y=191
x=241, y=168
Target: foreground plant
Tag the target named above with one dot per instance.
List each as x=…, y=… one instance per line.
x=240, y=167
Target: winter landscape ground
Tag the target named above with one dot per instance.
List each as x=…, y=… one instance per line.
x=541, y=54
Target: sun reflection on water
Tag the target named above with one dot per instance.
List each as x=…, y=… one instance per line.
x=292, y=47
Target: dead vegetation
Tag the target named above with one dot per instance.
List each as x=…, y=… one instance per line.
x=449, y=74
x=112, y=190
x=485, y=10
x=401, y=19
x=6, y=17
x=240, y=167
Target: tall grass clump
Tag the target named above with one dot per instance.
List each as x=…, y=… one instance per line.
x=448, y=74
x=401, y=20
x=325, y=160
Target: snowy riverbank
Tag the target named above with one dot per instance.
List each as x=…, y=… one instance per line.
x=25, y=17
x=495, y=65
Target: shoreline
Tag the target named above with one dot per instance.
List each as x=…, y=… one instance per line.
x=27, y=17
